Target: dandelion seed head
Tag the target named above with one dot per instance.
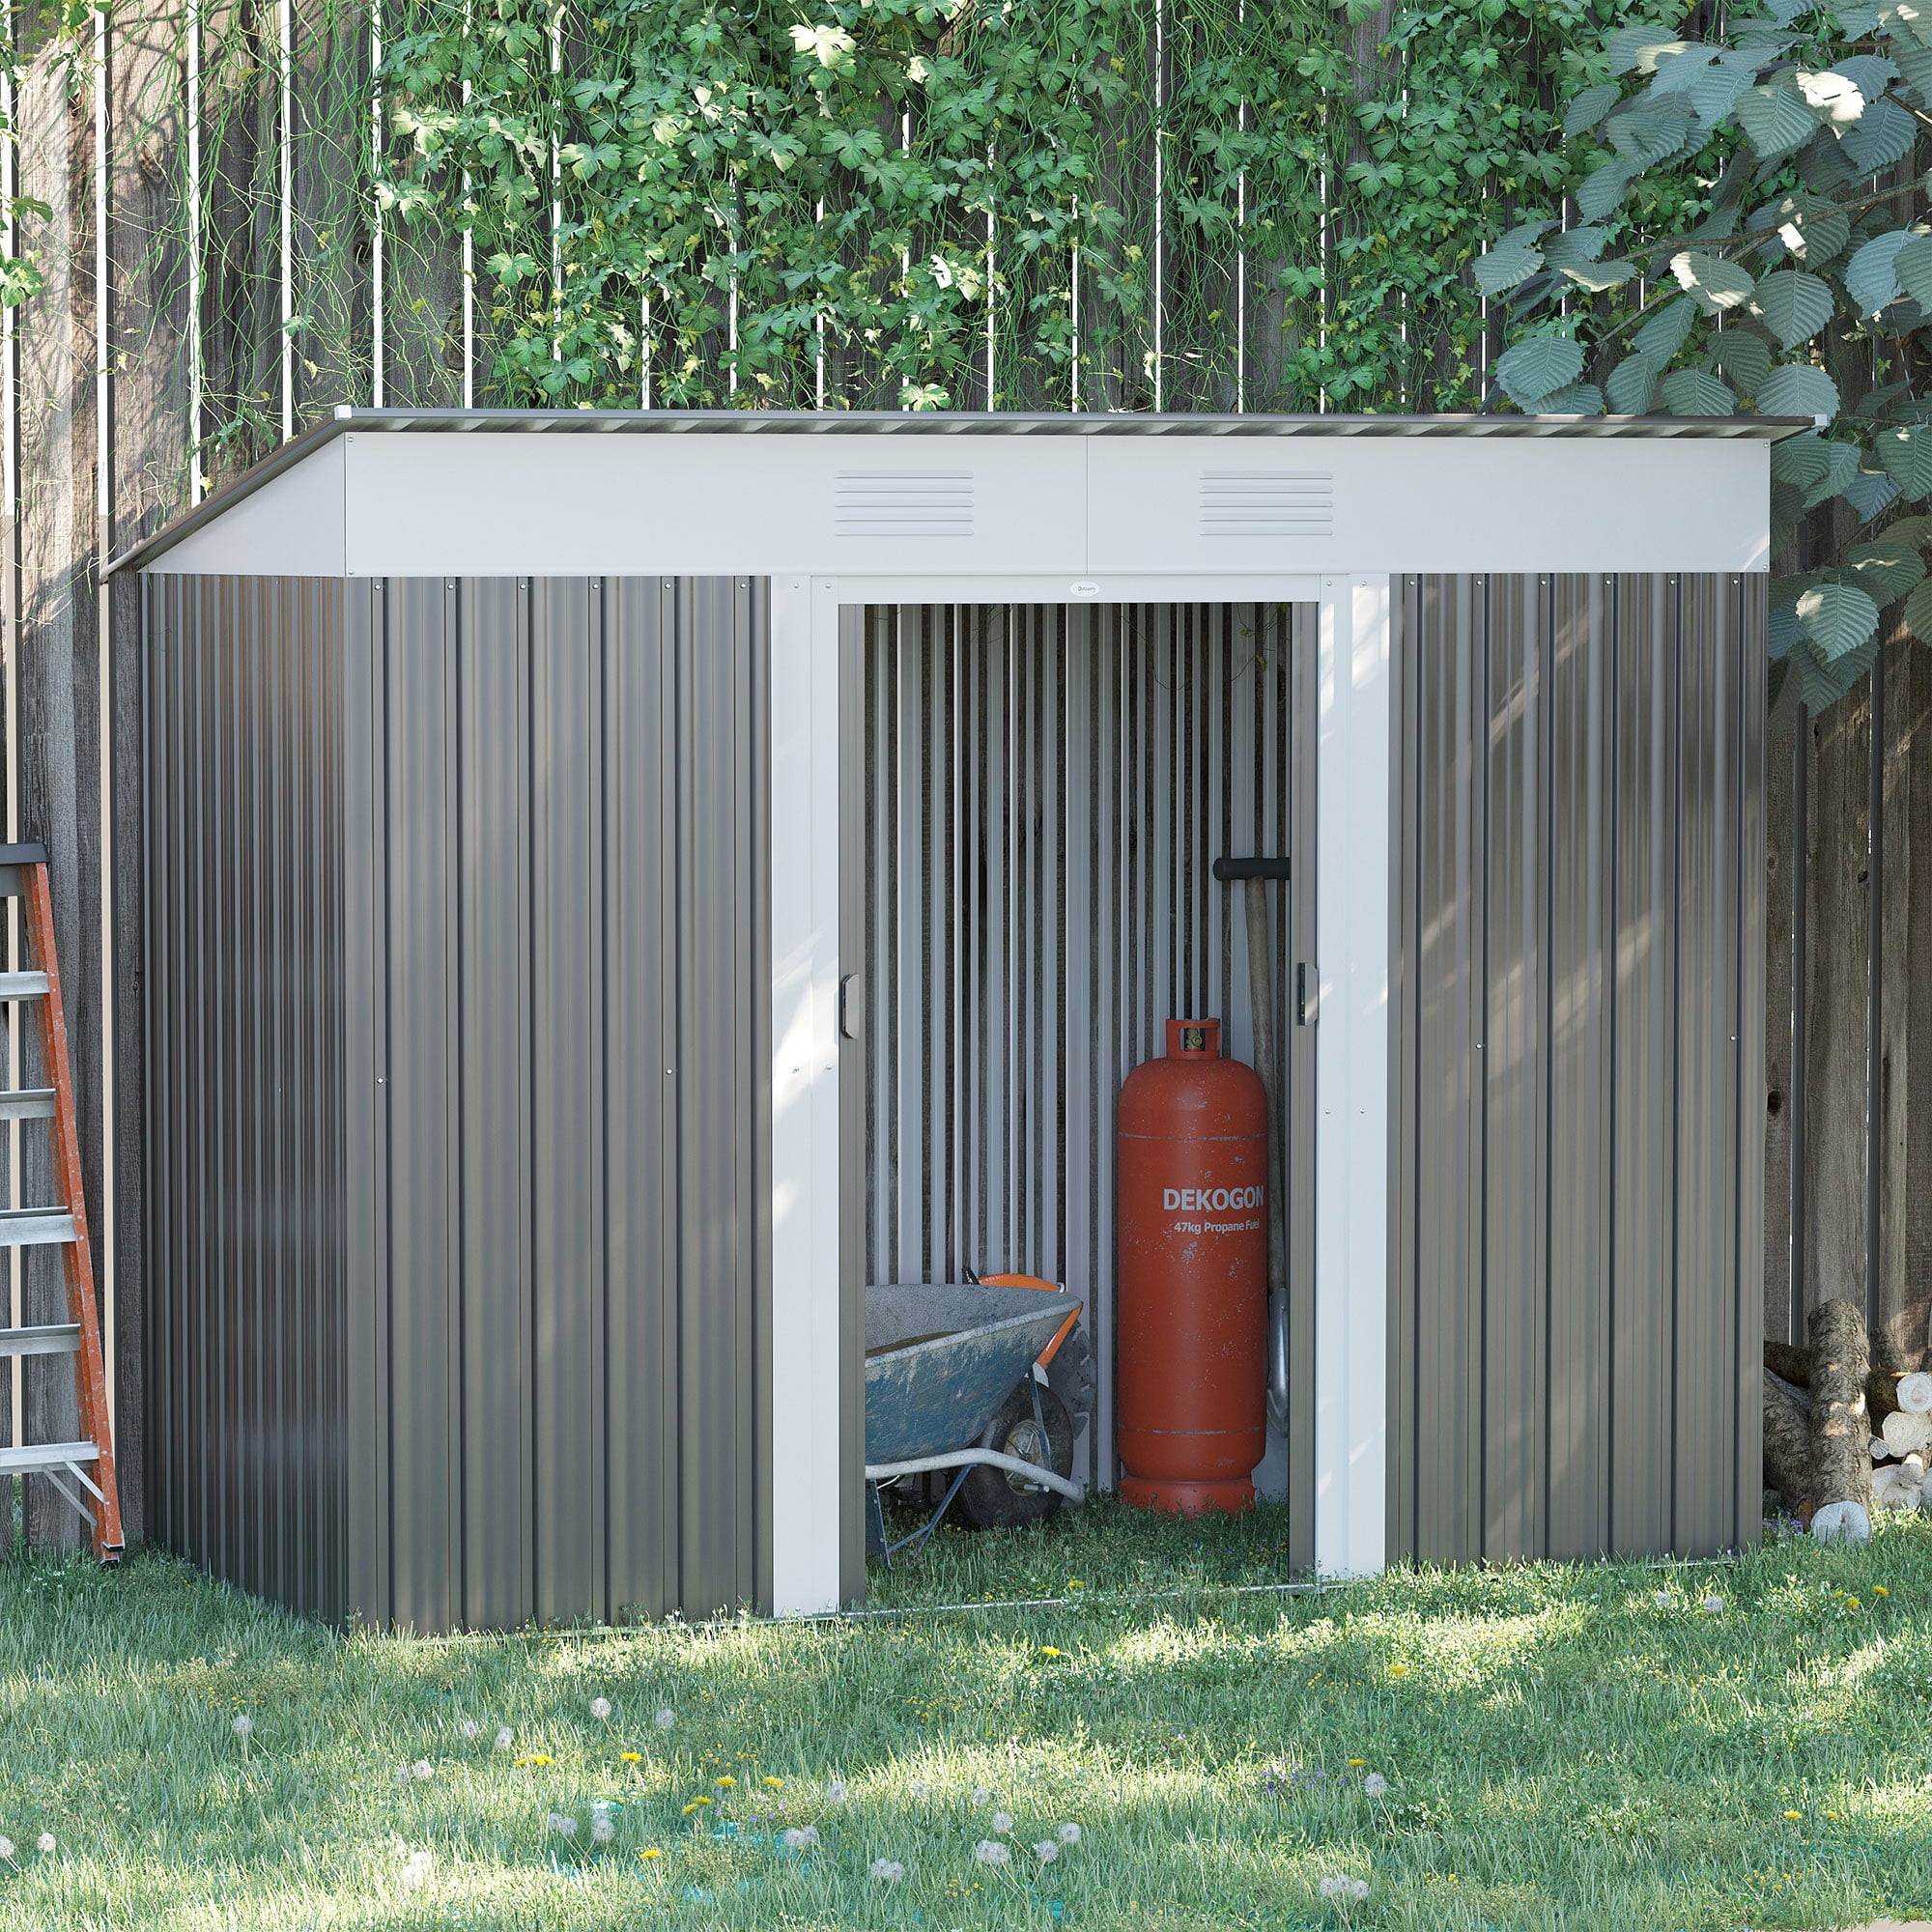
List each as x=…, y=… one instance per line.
x=1358, y=1888
x=919, y=1787
x=1713, y=1604
x=835, y=1791
x=422, y=1767
x=990, y=1852
x=6, y=1848
x=888, y=1870
x=1664, y=1600
x=1003, y=1821
x=504, y=1739
x=801, y=1836
x=564, y=1827
x=980, y=1796
x=1376, y=1784
x=244, y=1724
x=602, y=1828
x=416, y=1870
x=1069, y=1835
x=665, y=1720
x=1046, y=1851
x=472, y=1728
x=46, y=1842
x=600, y=1707
x=1331, y=1887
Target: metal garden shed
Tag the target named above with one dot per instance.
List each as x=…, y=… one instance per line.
x=616, y=883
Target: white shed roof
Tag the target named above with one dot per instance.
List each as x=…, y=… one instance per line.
x=592, y=491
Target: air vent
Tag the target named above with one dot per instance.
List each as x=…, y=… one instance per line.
x=1267, y=504
x=902, y=503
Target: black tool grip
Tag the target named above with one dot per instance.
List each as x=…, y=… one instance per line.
x=1228, y=870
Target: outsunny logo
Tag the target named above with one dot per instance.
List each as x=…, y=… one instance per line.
x=1209, y=1199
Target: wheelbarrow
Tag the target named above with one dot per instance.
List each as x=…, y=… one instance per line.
x=949, y=1385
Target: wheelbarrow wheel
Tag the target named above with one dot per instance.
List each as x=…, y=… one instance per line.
x=999, y=1499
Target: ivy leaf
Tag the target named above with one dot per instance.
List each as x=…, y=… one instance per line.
x=1662, y=336
x=1919, y=613
x=1797, y=389
x=1837, y=617
x=1776, y=117
x=1871, y=277
x=1538, y=368
x=1589, y=108
x=1713, y=283
x=1632, y=385
x=1886, y=569
x=829, y=44
x=1794, y=305
x=1696, y=392
x=1906, y=456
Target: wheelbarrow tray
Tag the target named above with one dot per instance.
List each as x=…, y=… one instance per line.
x=940, y=1360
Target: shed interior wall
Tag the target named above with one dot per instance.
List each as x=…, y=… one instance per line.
x=1046, y=790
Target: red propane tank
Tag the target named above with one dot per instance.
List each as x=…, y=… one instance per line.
x=1192, y=1210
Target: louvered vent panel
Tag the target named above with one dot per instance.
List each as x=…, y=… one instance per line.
x=1267, y=504
x=902, y=503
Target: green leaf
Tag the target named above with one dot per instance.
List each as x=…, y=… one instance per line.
x=1573, y=246
x=1713, y=283
x=1885, y=135
x=1871, y=277
x=1578, y=399
x=1589, y=108
x=1912, y=530
x=1635, y=49
x=1742, y=357
x=1602, y=192
x=1695, y=392
x=1840, y=473
x=1919, y=613
x=1801, y=460
x=1906, y=456
x=1505, y=267
x=1776, y=117
x=1886, y=568
x=1813, y=228
x=1794, y=305
x=1869, y=74
x=1662, y=336
x=1539, y=368
x=1632, y=387
x=1797, y=389
x=1597, y=277
x=1912, y=266
x=1837, y=617
x=1870, y=492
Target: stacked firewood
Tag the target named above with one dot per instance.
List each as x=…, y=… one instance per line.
x=1841, y=1437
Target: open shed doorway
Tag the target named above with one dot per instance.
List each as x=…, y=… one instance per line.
x=1045, y=790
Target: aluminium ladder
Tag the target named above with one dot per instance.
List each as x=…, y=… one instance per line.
x=23, y=875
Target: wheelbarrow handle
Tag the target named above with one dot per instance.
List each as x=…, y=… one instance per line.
x=964, y=1459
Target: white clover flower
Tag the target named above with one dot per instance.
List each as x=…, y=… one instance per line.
x=665, y=1720
x=1069, y=1835
x=835, y=1791
x=564, y=1827
x=46, y=1842
x=602, y=1828
x=422, y=1767
x=472, y=1728
x=6, y=1848
x=600, y=1707
x=1003, y=1822
x=504, y=1739
x=1713, y=1606
x=888, y=1870
x=990, y=1852
x=918, y=1787
x=244, y=1724
x=1376, y=1784
x=801, y=1836
x=980, y=1796
x=1046, y=1851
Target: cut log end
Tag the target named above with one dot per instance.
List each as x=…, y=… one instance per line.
x=1841, y=1522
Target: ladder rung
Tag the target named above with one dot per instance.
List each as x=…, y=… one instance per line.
x=39, y=1456
x=23, y=986
x=27, y=1103
x=60, y=1338
x=34, y=1227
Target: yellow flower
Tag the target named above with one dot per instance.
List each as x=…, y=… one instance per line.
x=543, y=1760
x=1075, y=1583
x=1357, y=1763
x=700, y=1801
x=650, y=1851
x=1794, y=1816
x=1833, y=1816
x=1879, y=1590
x=1850, y=1603
x=694, y=1804
x=1398, y=1670
x=631, y=1757
x=775, y=1785
x=725, y=1783
x=1048, y=1650
x=522, y=1762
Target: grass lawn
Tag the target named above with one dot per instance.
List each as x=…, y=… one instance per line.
x=1561, y=1749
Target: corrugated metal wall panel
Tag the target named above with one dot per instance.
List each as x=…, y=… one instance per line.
x=1048, y=788
x=460, y=1015
x=1578, y=1026
x=241, y=698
